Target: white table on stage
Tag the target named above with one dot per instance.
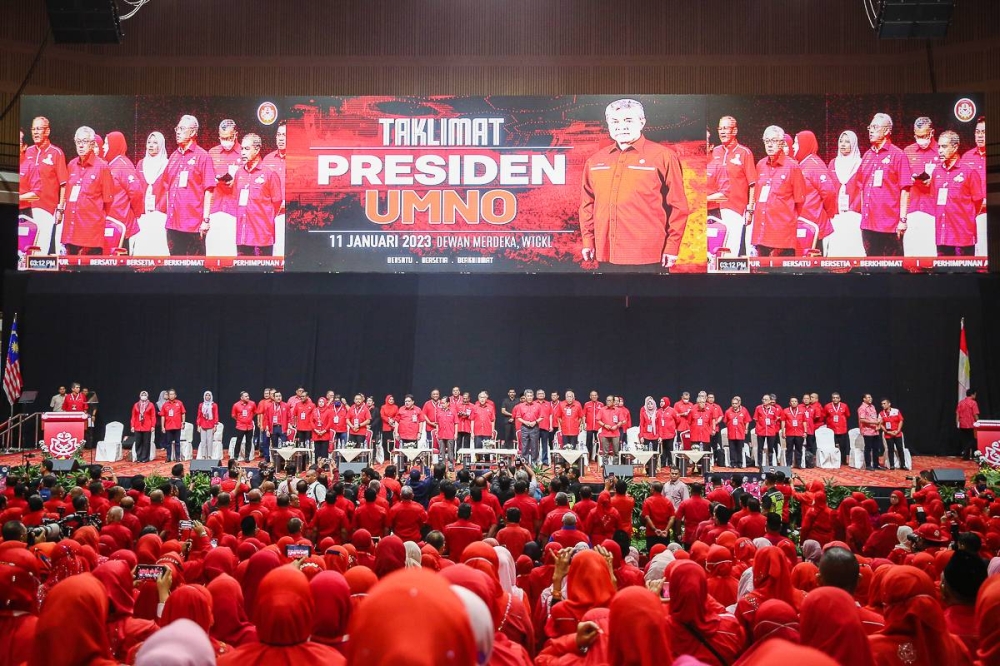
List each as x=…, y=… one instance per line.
x=350, y=454
x=571, y=456
x=694, y=457
x=643, y=457
x=288, y=452
x=475, y=454
x=411, y=454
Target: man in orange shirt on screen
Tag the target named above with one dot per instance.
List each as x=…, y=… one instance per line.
x=633, y=209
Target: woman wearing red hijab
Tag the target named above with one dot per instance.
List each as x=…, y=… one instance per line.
x=859, y=529
x=637, y=630
x=774, y=619
x=780, y=651
x=804, y=576
x=988, y=622
x=190, y=602
x=19, y=584
x=915, y=632
x=818, y=520
x=284, y=624
x=64, y=634
x=124, y=631
x=437, y=630
x=830, y=623
x=515, y=622
x=360, y=579
x=231, y=624
x=258, y=566
x=772, y=579
x=390, y=555
x=821, y=193
x=603, y=520
x=844, y=517
x=332, y=597
x=698, y=625
x=721, y=583
x=588, y=585
x=898, y=504
x=626, y=575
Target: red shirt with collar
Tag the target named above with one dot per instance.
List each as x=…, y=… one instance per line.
x=331, y=521
x=528, y=411
x=967, y=412
x=528, y=507
x=127, y=205
x=276, y=162
x=683, y=408
x=958, y=192
x=409, y=419
x=189, y=174
x=634, y=209
x=591, y=410
x=659, y=510
x=483, y=418
x=767, y=420
x=836, y=417
x=338, y=417
x=731, y=171
x=463, y=417
x=50, y=162
x=275, y=413
x=442, y=513
x=822, y=188
x=224, y=197
x=781, y=191
x=244, y=413
x=92, y=187
x=882, y=176
x=568, y=416
x=256, y=199
x=921, y=160
x=172, y=413
x=647, y=424
x=514, y=537
x=356, y=416
x=303, y=416
x=372, y=517
x=795, y=421
x=666, y=423
x=323, y=424
x=459, y=535
x=701, y=424
x=446, y=422
x=30, y=181
x=892, y=420
x=609, y=417
x=809, y=418
x=544, y=414
x=736, y=422
x=145, y=420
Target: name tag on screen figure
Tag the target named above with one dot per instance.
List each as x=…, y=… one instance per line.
x=244, y=196
x=74, y=194
x=877, y=178
x=182, y=179
x=942, y=196
x=764, y=191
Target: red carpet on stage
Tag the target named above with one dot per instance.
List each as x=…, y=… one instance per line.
x=845, y=475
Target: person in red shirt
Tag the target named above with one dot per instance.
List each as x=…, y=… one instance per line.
x=463, y=422
x=513, y=537
x=884, y=181
x=624, y=416
x=527, y=414
x=682, y=408
x=50, y=163
x=647, y=425
x=754, y=524
x=359, y=419
x=977, y=156
x=821, y=186
x=922, y=157
x=409, y=421
x=966, y=415
x=568, y=535
x=545, y=426
x=633, y=210
x=461, y=533
x=569, y=418
x=127, y=205
x=691, y=512
x=625, y=505
x=591, y=411
x=960, y=195
x=484, y=417
x=446, y=429
x=657, y=516
x=767, y=422
x=701, y=422
x=781, y=192
x=262, y=439
x=837, y=414
x=388, y=412
x=207, y=419
x=717, y=425
x=275, y=423
x=303, y=418
x=257, y=197
x=731, y=177
x=793, y=423
x=736, y=420
x=553, y=517
x=172, y=416
x=91, y=193
x=276, y=523
x=666, y=431
x=444, y=511
x=244, y=412
x=809, y=422
x=370, y=515
x=339, y=419
x=720, y=494
x=142, y=424
x=188, y=183
x=323, y=428
x=608, y=419
x=224, y=520
x=527, y=505
x=330, y=521
x=407, y=517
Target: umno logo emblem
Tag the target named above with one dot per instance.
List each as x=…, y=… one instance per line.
x=63, y=445
x=992, y=453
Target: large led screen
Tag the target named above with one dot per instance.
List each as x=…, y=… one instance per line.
x=663, y=184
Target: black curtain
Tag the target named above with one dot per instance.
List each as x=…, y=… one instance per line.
x=888, y=335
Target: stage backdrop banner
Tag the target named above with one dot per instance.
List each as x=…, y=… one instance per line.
x=457, y=184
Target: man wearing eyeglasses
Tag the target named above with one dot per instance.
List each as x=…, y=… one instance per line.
x=633, y=208
x=884, y=180
x=90, y=194
x=960, y=196
x=50, y=162
x=188, y=180
x=781, y=191
x=732, y=173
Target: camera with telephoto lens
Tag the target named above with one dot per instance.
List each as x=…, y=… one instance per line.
x=48, y=531
x=54, y=530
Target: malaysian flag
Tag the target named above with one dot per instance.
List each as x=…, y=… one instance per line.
x=12, y=383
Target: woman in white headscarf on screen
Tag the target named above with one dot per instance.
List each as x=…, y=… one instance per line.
x=845, y=241
x=151, y=240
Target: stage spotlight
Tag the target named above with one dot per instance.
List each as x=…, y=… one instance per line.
x=909, y=19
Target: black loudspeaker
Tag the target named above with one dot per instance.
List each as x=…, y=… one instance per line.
x=351, y=467
x=84, y=21
x=68, y=465
x=914, y=19
x=948, y=476
x=204, y=466
x=620, y=471
x=766, y=469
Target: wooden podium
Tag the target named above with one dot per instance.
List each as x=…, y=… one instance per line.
x=63, y=433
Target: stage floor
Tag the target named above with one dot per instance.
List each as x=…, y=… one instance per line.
x=843, y=476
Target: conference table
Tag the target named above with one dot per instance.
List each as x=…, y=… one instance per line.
x=473, y=455
x=643, y=457
x=684, y=458
x=350, y=454
x=288, y=452
x=408, y=455
x=571, y=456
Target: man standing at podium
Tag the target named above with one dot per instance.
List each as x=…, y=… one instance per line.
x=75, y=401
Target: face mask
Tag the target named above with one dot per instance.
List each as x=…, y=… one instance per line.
x=337, y=403
x=923, y=143
x=227, y=144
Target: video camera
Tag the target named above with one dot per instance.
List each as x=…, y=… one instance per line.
x=54, y=530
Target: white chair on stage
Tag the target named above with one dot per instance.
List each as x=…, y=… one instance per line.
x=857, y=460
x=109, y=449
x=232, y=447
x=187, y=437
x=827, y=453
x=907, y=458
x=724, y=436
x=217, y=439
